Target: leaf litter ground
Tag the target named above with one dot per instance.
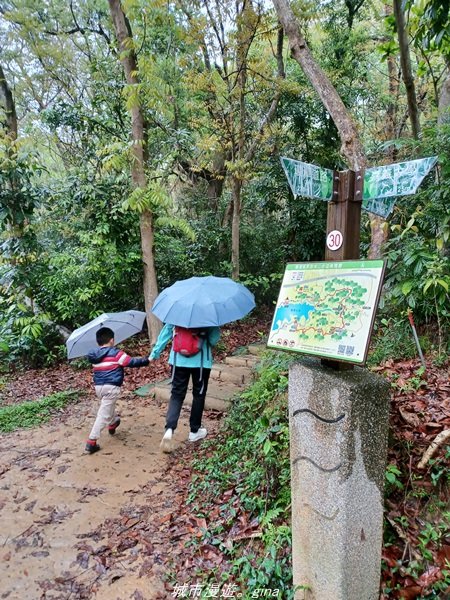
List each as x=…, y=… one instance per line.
x=117, y=525
x=73, y=525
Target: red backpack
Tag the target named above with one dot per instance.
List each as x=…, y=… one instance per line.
x=187, y=342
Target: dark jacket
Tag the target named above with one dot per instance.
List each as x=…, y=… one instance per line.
x=108, y=364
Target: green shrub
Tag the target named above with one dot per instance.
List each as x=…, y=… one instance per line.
x=26, y=338
x=392, y=339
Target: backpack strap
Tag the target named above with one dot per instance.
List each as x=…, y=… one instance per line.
x=201, y=370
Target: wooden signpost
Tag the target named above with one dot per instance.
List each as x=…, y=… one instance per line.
x=347, y=192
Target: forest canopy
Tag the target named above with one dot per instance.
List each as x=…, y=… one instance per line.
x=140, y=143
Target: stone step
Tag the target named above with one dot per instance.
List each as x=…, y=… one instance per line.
x=227, y=379
x=235, y=374
x=245, y=360
x=256, y=349
x=218, y=396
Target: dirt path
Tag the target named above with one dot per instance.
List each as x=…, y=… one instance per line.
x=58, y=505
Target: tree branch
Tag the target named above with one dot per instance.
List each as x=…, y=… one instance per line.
x=273, y=107
x=351, y=146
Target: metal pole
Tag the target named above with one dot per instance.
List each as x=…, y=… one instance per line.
x=416, y=339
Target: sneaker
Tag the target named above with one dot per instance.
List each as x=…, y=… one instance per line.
x=92, y=446
x=166, y=442
x=198, y=435
x=112, y=428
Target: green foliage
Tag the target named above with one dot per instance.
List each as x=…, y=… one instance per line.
x=433, y=25
x=35, y=412
x=440, y=473
x=265, y=288
x=426, y=290
x=252, y=458
x=26, y=338
x=431, y=537
x=19, y=194
x=89, y=259
x=418, y=255
x=77, y=285
x=393, y=481
x=392, y=339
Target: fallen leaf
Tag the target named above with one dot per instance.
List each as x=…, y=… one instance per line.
x=409, y=417
x=430, y=576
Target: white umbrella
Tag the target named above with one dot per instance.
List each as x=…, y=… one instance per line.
x=124, y=324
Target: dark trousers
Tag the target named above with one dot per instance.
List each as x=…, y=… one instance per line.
x=180, y=383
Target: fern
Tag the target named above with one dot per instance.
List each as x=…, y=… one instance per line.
x=156, y=200
x=177, y=224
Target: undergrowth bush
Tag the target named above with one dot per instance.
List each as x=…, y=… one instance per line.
x=27, y=338
x=392, y=339
x=251, y=458
x=34, y=412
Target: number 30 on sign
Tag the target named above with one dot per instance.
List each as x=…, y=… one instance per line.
x=334, y=240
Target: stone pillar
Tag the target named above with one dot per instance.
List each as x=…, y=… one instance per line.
x=338, y=431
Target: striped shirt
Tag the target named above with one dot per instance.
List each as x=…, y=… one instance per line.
x=108, y=364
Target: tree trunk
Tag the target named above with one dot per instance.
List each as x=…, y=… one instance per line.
x=244, y=40
x=379, y=228
x=7, y=100
x=246, y=156
x=16, y=228
x=216, y=182
x=390, y=127
x=351, y=147
x=391, y=110
x=236, y=185
x=405, y=63
x=379, y=233
x=444, y=100
x=128, y=59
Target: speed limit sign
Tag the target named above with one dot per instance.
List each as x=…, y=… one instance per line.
x=334, y=240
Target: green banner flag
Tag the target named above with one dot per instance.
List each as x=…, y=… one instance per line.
x=308, y=180
x=383, y=184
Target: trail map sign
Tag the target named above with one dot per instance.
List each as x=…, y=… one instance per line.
x=327, y=309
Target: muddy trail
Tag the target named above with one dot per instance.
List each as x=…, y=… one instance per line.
x=98, y=526
x=80, y=526
x=56, y=500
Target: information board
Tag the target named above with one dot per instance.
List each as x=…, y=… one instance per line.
x=327, y=309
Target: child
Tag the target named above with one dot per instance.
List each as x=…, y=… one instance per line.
x=197, y=367
x=108, y=363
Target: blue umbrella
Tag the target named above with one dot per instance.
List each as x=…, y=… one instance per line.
x=203, y=302
x=124, y=324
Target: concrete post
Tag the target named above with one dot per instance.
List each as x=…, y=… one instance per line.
x=338, y=428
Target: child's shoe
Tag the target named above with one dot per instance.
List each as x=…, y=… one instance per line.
x=92, y=446
x=166, y=442
x=198, y=435
x=112, y=428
